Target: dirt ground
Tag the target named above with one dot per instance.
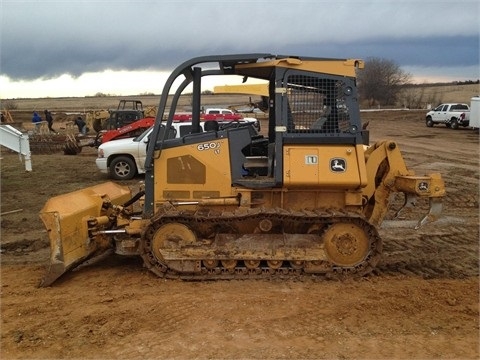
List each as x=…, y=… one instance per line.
x=421, y=303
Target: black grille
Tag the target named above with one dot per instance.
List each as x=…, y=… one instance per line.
x=316, y=105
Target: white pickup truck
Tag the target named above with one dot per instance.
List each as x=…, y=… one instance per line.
x=451, y=115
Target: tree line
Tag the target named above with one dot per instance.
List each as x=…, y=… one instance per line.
x=384, y=83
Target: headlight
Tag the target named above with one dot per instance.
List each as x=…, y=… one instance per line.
x=100, y=153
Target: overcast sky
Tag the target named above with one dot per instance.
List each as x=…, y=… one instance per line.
x=76, y=48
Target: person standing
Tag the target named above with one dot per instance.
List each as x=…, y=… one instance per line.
x=82, y=125
x=49, y=119
x=37, y=121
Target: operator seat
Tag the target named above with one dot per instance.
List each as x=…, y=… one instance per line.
x=211, y=125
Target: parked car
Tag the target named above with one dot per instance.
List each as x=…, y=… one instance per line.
x=451, y=115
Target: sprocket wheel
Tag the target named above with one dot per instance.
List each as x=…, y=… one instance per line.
x=346, y=244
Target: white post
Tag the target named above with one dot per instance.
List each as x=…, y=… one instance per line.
x=18, y=142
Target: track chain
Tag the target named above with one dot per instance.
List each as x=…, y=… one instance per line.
x=195, y=220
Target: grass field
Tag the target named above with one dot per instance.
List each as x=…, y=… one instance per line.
x=424, y=96
x=110, y=102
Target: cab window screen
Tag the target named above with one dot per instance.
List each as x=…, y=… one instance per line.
x=316, y=105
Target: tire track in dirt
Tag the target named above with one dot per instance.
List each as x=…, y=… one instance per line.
x=436, y=252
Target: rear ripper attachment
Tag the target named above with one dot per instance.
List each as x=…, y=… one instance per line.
x=385, y=161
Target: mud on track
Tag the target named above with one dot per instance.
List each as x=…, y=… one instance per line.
x=421, y=302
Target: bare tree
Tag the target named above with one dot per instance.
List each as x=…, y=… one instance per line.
x=413, y=97
x=381, y=81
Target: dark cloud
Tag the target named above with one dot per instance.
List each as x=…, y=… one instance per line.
x=47, y=39
x=434, y=51
x=75, y=59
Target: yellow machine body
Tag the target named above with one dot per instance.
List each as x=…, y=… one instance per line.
x=193, y=172
x=66, y=218
x=307, y=197
x=335, y=166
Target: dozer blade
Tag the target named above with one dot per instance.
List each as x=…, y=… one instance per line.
x=65, y=219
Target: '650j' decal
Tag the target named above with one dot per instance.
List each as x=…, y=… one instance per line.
x=214, y=145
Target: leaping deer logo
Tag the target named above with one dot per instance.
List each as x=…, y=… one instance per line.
x=423, y=186
x=338, y=165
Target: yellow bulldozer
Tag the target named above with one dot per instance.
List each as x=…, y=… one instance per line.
x=211, y=208
x=126, y=112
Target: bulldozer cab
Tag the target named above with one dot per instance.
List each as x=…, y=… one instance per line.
x=312, y=101
x=127, y=112
x=310, y=108
x=130, y=105
x=120, y=118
